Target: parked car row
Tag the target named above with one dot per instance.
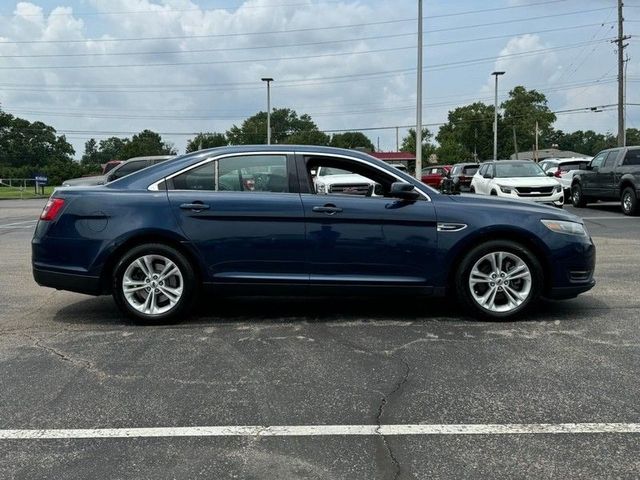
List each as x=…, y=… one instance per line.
x=118, y=170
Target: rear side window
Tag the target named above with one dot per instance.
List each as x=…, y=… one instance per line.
x=567, y=167
x=632, y=157
x=129, y=167
x=251, y=173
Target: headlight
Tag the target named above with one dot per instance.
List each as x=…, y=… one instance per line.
x=505, y=189
x=321, y=188
x=569, y=228
x=557, y=189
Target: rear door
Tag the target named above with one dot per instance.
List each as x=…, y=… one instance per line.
x=244, y=215
x=605, y=181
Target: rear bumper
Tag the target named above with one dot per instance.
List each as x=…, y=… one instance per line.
x=67, y=281
x=560, y=293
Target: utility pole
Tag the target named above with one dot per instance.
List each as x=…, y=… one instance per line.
x=397, y=140
x=419, y=98
x=495, y=118
x=515, y=141
x=268, y=80
x=537, y=141
x=624, y=102
x=621, y=47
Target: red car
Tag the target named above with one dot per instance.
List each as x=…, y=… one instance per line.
x=432, y=176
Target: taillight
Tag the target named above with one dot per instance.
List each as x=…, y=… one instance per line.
x=558, y=173
x=51, y=209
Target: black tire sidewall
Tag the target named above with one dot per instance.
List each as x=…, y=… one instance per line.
x=634, y=201
x=184, y=305
x=462, y=288
x=578, y=201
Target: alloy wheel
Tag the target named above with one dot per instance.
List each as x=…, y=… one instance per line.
x=152, y=284
x=500, y=282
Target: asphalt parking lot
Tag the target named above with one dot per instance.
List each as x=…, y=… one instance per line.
x=69, y=361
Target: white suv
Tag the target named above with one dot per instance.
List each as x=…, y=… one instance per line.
x=517, y=179
x=564, y=169
x=329, y=180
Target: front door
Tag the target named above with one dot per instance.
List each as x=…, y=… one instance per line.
x=244, y=217
x=356, y=239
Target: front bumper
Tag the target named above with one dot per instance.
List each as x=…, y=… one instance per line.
x=563, y=293
x=72, y=282
x=553, y=199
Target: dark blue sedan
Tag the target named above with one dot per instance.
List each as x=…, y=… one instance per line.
x=248, y=220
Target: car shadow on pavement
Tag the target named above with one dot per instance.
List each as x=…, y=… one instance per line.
x=103, y=311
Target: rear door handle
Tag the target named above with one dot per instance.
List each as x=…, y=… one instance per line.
x=329, y=209
x=196, y=206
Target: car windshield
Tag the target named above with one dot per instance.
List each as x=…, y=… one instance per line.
x=471, y=170
x=507, y=170
x=325, y=171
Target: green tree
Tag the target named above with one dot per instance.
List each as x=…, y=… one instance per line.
x=352, y=140
x=206, y=140
x=469, y=130
x=586, y=142
x=146, y=143
x=521, y=110
x=308, y=137
x=91, y=153
x=112, y=148
x=409, y=143
x=284, y=122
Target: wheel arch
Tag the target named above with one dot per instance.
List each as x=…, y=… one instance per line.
x=627, y=181
x=522, y=237
x=140, y=238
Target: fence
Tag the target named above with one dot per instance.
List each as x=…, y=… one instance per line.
x=20, y=188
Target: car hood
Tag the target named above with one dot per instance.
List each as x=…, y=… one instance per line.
x=95, y=180
x=526, y=181
x=522, y=206
x=344, y=178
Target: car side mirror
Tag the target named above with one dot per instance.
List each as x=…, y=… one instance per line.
x=404, y=191
x=590, y=167
x=551, y=174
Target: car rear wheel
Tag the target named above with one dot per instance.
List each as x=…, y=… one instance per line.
x=629, y=202
x=472, y=189
x=154, y=283
x=577, y=199
x=499, y=279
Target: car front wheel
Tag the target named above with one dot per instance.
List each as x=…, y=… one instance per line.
x=576, y=196
x=499, y=279
x=154, y=283
x=629, y=202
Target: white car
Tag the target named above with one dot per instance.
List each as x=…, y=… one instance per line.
x=564, y=169
x=329, y=180
x=517, y=179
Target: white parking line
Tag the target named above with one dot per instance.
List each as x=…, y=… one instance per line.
x=610, y=218
x=325, y=430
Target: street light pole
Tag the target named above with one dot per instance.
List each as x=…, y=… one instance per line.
x=495, y=117
x=419, y=98
x=268, y=80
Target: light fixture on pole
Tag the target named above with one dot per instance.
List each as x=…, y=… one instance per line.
x=495, y=117
x=268, y=80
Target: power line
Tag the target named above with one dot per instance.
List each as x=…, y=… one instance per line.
x=287, y=45
x=299, y=57
x=298, y=30
x=206, y=10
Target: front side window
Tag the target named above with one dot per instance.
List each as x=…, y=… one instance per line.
x=251, y=173
x=597, y=161
x=610, y=161
x=337, y=176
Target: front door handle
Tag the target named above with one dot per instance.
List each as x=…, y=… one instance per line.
x=328, y=209
x=195, y=206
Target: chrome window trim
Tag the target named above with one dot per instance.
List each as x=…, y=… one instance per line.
x=154, y=186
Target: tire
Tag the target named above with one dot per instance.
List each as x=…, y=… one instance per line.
x=472, y=190
x=577, y=199
x=174, y=296
x=494, y=193
x=629, y=202
x=528, y=283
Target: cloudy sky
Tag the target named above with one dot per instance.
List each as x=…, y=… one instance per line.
x=97, y=68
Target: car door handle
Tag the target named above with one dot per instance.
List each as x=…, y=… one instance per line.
x=329, y=209
x=196, y=206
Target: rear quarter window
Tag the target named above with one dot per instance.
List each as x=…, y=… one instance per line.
x=632, y=158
